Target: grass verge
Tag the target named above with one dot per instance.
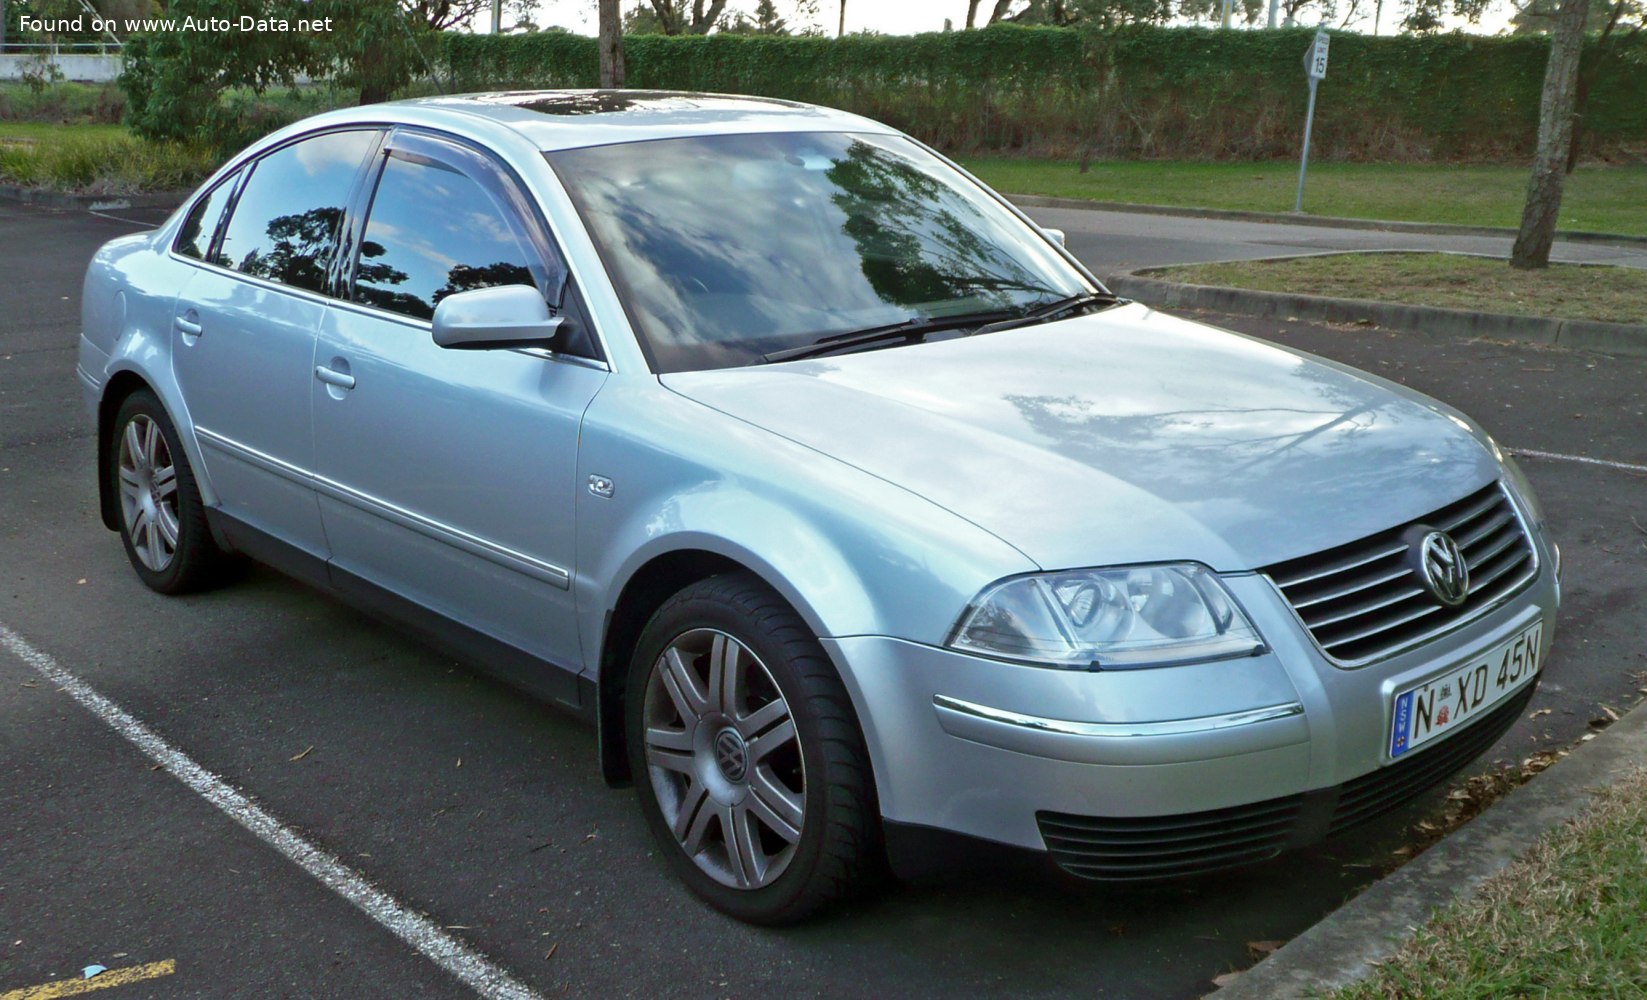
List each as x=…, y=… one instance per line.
x=1598, y=198
x=1453, y=281
x=97, y=159
x=1563, y=921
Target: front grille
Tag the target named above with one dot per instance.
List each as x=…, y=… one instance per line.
x=1111, y=849
x=1155, y=847
x=1362, y=600
x=1389, y=787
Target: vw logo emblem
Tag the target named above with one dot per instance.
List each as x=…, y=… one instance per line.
x=731, y=755
x=1442, y=568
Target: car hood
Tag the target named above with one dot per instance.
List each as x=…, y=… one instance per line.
x=1123, y=436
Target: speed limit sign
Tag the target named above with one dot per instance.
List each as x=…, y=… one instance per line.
x=1315, y=60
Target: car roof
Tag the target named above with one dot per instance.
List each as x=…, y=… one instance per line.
x=565, y=119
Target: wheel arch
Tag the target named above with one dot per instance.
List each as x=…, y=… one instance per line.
x=651, y=584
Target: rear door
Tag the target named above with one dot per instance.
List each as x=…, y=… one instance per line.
x=246, y=320
x=447, y=476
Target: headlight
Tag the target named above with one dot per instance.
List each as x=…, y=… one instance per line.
x=1522, y=488
x=1116, y=619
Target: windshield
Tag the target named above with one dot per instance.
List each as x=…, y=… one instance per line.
x=728, y=248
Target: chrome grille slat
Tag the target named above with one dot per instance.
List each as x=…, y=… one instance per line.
x=1334, y=595
x=1366, y=609
x=1335, y=570
x=1358, y=611
x=1499, y=520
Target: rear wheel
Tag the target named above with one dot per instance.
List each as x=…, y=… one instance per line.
x=162, y=518
x=749, y=762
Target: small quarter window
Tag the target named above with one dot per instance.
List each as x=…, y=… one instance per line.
x=195, y=238
x=285, y=223
x=432, y=232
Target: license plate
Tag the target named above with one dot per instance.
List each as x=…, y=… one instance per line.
x=1446, y=703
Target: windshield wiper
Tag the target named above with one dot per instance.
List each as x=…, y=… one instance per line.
x=911, y=330
x=1056, y=309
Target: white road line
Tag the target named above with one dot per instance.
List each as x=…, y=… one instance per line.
x=470, y=966
x=1558, y=457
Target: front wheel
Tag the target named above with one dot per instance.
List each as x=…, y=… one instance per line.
x=749, y=762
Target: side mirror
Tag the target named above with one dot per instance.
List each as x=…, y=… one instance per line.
x=504, y=316
x=1055, y=235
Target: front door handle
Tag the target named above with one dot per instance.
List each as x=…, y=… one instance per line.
x=331, y=376
x=186, y=324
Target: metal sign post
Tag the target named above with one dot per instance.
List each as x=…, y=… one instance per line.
x=1315, y=66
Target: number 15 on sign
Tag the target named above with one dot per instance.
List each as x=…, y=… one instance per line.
x=1315, y=67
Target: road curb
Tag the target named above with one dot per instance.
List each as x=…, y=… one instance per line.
x=1326, y=221
x=1431, y=321
x=1371, y=927
x=90, y=202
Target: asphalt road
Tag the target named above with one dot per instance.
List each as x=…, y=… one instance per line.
x=485, y=811
x=1110, y=242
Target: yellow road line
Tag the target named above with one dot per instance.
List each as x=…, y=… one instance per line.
x=101, y=981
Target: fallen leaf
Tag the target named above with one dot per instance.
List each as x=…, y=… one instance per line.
x=1225, y=979
x=302, y=755
x=551, y=952
x=460, y=762
x=1262, y=948
x=80, y=581
x=1539, y=714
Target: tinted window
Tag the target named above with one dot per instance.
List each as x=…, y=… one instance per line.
x=432, y=232
x=728, y=247
x=196, y=235
x=285, y=224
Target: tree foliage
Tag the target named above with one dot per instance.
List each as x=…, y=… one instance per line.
x=1135, y=91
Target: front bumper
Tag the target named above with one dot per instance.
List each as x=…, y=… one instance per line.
x=1149, y=773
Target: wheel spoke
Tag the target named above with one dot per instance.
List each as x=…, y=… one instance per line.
x=139, y=527
x=742, y=854
x=165, y=481
x=724, y=674
x=157, y=547
x=129, y=489
x=168, y=526
x=776, y=806
x=763, y=718
x=151, y=441
x=682, y=685
x=678, y=740
x=692, y=822
x=134, y=445
x=762, y=746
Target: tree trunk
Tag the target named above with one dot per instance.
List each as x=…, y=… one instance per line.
x=1555, y=137
x=1002, y=8
x=840, y=26
x=972, y=13
x=611, y=45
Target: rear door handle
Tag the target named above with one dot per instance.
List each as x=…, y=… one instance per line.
x=187, y=325
x=332, y=376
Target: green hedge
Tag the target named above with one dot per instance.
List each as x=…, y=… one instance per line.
x=1135, y=92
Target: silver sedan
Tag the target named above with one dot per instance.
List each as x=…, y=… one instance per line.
x=858, y=517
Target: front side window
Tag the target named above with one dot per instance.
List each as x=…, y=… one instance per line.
x=285, y=223
x=730, y=248
x=195, y=238
x=433, y=231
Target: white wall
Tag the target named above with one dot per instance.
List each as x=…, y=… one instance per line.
x=87, y=67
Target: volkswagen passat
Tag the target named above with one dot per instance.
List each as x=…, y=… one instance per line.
x=849, y=507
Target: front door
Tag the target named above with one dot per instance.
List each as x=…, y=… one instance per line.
x=447, y=476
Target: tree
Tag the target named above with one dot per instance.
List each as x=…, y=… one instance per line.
x=765, y=22
x=1621, y=19
x=688, y=17
x=611, y=45
x=1555, y=138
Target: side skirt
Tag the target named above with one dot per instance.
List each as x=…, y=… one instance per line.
x=542, y=679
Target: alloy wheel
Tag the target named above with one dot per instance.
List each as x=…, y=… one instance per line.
x=723, y=758
x=148, y=492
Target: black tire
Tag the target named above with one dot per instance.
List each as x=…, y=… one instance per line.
x=195, y=562
x=837, y=853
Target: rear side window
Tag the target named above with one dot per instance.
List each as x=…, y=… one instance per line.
x=432, y=232
x=195, y=238
x=285, y=223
